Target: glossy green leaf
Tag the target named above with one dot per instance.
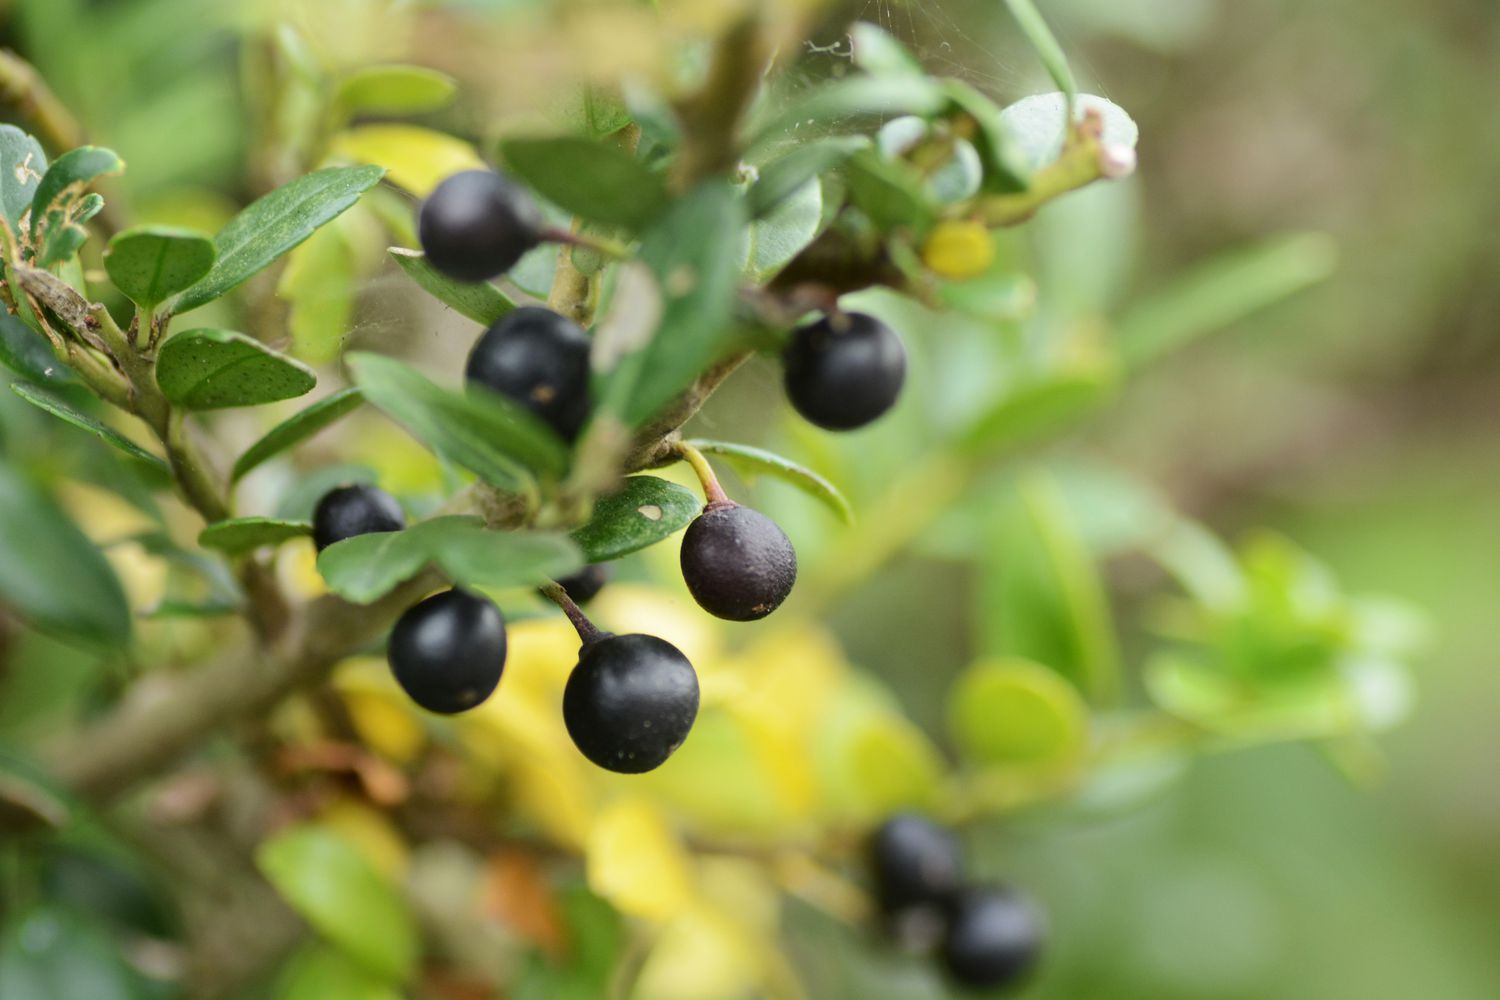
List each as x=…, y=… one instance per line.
x=1034, y=27
x=240, y=535
x=275, y=224
x=65, y=411
x=29, y=354
x=327, y=880
x=65, y=180
x=641, y=513
x=1223, y=291
x=1040, y=595
x=52, y=954
x=481, y=301
x=51, y=573
x=1004, y=161
x=597, y=181
x=150, y=264
x=296, y=429
x=1038, y=125
x=1016, y=712
x=395, y=90
x=782, y=178
x=694, y=252
x=878, y=53
x=214, y=369
x=486, y=434
x=367, y=567
x=22, y=164
x=758, y=460
x=892, y=193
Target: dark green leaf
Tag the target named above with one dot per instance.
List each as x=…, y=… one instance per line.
x=643, y=512
x=481, y=301
x=240, y=535
x=1004, y=162
x=326, y=879
x=892, y=193
x=22, y=164
x=784, y=177
x=493, y=438
x=213, y=369
x=597, y=181
x=759, y=460
x=66, y=179
x=296, y=429
x=63, y=410
x=29, y=354
x=366, y=567
x=51, y=573
x=1034, y=27
x=50, y=954
x=275, y=224
x=29, y=798
x=395, y=90
x=150, y=264
x=1038, y=125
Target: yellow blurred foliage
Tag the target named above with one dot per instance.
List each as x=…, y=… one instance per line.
x=415, y=158
x=371, y=833
x=635, y=860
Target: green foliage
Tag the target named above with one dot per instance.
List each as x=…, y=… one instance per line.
x=214, y=369
x=22, y=164
x=42, y=399
x=297, y=428
x=757, y=460
x=150, y=264
x=395, y=90
x=46, y=954
x=240, y=535
x=641, y=513
x=596, y=181
x=480, y=301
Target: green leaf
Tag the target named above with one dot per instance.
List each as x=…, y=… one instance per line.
x=1034, y=27
x=597, y=181
x=327, y=880
x=851, y=104
x=29, y=798
x=694, y=252
x=483, y=432
x=240, y=535
x=1040, y=596
x=481, y=302
x=1038, y=125
x=214, y=369
x=1223, y=291
x=641, y=513
x=784, y=232
x=893, y=193
x=49, y=954
x=51, y=573
x=29, y=354
x=395, y=90
x=786, y=176
x=65, y=411
x=22, y=164
x=1032, y=410
x=759, y=460
x=878, y=53
x=150, y=264
x=275, y=224
x=366, y=567
x=65, y=180
x=296, y=429
x=1019, y=713
x=318, y=972
x=1005, y=168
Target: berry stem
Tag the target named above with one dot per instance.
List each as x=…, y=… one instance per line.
x=613, y=249
x=587, y=631
x=712, y=491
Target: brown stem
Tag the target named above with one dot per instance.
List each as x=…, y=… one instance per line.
x=587, y=631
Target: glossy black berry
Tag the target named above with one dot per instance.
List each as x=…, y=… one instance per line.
x=585, y=585
x=477, y=224
x=448, y=651
x=994, y=937
x=630, y=702
x=844, y=370
x=915, y=863
x=737, y=563
x=539, y=360
x=354, y=510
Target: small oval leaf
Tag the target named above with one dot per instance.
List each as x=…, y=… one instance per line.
x=22, y=164
x=760, y=460
x=481, y=302
x=296, y=429
x=597, y=181
x=1016, y=712
x=643, y=512
x=239, y=535
x=214, y=369
x=396, y=90
x=150, y=264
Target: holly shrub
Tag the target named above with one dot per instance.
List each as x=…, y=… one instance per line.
x=293, y=491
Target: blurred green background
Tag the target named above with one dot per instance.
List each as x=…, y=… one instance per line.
x=1357, y=417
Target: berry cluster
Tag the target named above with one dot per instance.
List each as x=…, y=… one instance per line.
x=631, y=699
x=988, y=937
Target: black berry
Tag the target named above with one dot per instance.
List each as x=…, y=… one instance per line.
x=477, y=224
x=585, y=585
x=915, y=863
x=994, y=936
x=539, y=360
x=448, y=651
x=844, y=370
x=737, y=563
x=630, y=702
x=354, y=510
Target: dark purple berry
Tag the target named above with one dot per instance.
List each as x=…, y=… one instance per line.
x=915, y=863
x=994, y=937
x=539, y=360
x=845, y=370
x=630, y=702
x=447, y=652
x=477, y=224
x=737, y=563
x=585, y=585
x=354, y=510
